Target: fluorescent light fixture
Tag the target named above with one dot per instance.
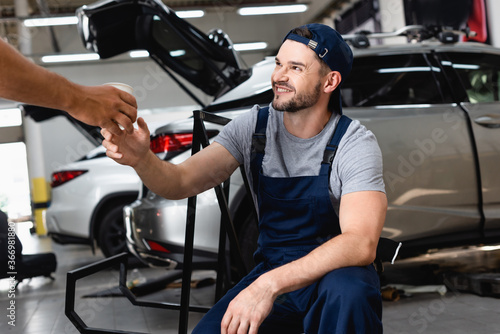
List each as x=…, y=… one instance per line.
x=408, y=69
x=139, y=54
x=466, y=66
x=490, y=248
x=51, y=21
x=460, y=66
x=10, y=117
x=190, y=14
x=250, y=46
x=70, y=58
x=403, y=106
x=267, y=10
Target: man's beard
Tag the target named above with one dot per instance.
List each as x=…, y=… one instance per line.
x=301, y=101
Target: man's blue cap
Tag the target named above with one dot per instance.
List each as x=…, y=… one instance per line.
x=330, y=47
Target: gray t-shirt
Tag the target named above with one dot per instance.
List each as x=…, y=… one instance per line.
x=357, y=165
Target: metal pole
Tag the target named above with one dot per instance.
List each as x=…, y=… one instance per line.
x=189, y=240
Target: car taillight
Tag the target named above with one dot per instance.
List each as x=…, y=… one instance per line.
x=157, y=247
x=171, y=142
x=59, y=178
x=174, y=142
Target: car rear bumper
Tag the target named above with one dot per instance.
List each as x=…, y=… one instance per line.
x=70, y=221
x=155, y=233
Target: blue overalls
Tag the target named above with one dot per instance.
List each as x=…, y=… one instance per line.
x=296, y=216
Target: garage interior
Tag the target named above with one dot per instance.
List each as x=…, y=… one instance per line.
x=453, y=290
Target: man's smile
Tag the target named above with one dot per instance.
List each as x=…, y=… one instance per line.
x=282, y=89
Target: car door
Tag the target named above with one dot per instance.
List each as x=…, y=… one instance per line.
x=479, y=74
x=208, y=61
x=429, y=170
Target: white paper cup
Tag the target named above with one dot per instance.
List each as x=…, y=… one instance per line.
x=125, y=88
x=121, y=86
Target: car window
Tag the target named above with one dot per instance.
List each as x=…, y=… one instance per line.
x=480, y=75
x=175, y=45
x=206, y=61
x=391, y=80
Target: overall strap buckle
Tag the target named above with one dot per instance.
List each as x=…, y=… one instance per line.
x=329, y=154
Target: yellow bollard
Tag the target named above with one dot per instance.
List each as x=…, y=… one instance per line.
x=41, y=198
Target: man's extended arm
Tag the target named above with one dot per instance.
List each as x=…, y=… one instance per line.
x=23, y=81
x=361, y=225
x=202, y=171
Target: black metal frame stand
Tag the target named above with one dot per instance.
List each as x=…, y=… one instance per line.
x=200, y=139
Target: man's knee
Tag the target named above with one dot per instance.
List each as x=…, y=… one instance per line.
x=348, y=301
x=351, y=283
x=354, y=291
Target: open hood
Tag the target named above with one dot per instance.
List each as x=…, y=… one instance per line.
x=208, y=61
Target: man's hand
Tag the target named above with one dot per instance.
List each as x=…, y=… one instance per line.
x=105, y=106
x=248, y=309
x=128, y=149
x=24, y=81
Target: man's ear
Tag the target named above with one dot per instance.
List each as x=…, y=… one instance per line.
x=333, y=79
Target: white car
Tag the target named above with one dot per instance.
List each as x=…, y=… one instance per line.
x=87, y=202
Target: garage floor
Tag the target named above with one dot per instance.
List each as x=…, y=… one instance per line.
x=39, y=303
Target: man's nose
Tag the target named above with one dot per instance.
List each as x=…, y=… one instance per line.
x=281, y=74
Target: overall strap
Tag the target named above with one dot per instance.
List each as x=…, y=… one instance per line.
x=331, y=148
x=258, y=145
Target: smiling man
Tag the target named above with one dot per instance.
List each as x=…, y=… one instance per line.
x=317, y=185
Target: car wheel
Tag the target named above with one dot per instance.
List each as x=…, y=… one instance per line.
x=112, y=232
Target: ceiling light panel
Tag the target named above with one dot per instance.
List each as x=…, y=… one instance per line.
x=51, y=21
x=269, y=10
